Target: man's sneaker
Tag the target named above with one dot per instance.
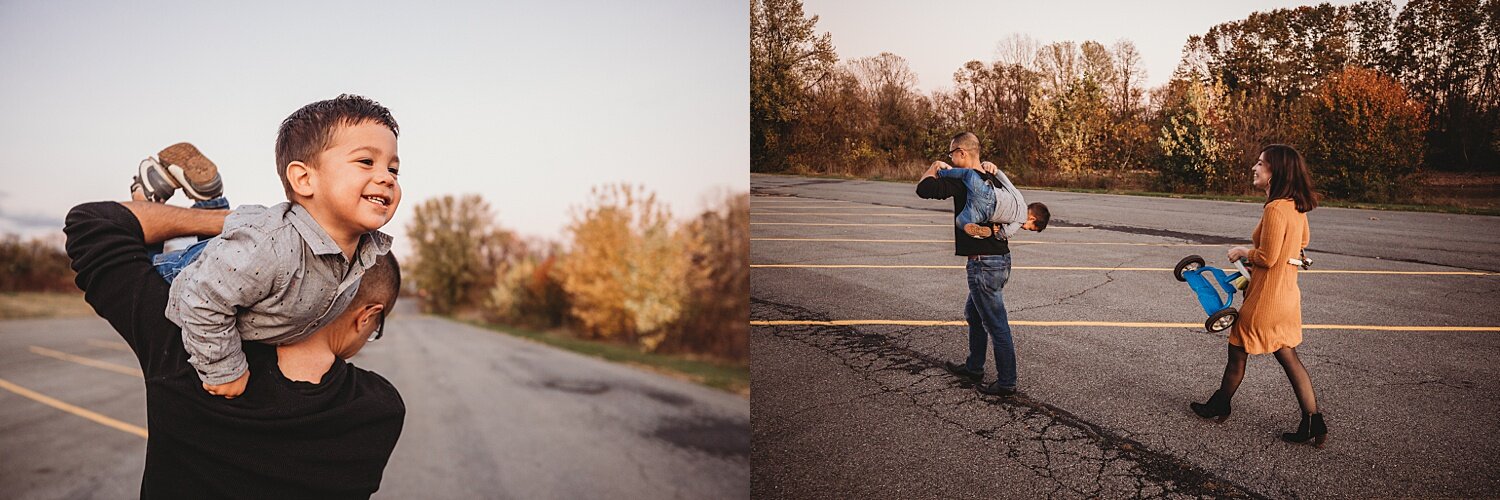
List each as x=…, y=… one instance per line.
x=963, y=372
x=194, y=173
x=994, y=389
x=153, y=181
x=979, y=231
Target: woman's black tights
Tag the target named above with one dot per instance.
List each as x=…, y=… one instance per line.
x=1234, y=373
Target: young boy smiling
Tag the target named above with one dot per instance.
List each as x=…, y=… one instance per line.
x=277, y=274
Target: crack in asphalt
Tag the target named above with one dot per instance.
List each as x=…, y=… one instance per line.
x=1050, y=441
x=1108, y=278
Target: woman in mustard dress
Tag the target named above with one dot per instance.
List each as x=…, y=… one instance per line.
x=1270, y=319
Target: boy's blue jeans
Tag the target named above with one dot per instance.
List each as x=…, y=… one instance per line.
x=985, y=312
x=169, y=264
x=979, y=207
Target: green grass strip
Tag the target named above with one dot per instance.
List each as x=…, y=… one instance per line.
x=724, y=376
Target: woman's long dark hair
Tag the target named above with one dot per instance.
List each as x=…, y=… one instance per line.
x=1289, y=177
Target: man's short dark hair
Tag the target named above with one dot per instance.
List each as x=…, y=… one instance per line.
x=309, y=131
x=1043, y=215
x=381, y=283
x=967, y=140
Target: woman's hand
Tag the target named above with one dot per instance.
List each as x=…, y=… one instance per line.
x=1237, y=253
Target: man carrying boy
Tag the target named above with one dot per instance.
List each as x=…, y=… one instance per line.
x=310, y=425
x=277, y=274
x=992, y=199
x=988, y=269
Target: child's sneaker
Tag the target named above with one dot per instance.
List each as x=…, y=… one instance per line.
x=194, y=173
x=153, y=182
x=979, y=231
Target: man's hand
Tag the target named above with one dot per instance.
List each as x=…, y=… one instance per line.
x=230, y=390
x=989, y=168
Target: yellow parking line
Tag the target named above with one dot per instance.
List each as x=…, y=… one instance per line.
x=1064, y=228
x=844, y=224
x=97, y=418
x=1013, y=242
x=934, y=214
x=108, y=344
x=1069, y=268
x=848, y=240
x=794, y=199
x=89, y=362
x=1115, y=324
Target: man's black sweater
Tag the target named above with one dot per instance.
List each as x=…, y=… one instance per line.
x=942, y=188
x=280, y=439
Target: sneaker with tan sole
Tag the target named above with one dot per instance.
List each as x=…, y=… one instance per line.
x=979, y=231
x=194, y=173
x=153, y=182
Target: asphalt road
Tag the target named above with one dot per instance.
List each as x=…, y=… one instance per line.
x=862, y=409
x=488, y=416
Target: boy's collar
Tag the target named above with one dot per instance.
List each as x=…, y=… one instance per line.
x=371, y=244
x=316, y=237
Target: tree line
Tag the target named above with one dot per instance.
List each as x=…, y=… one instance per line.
x=627, y=272
x=1373, y=95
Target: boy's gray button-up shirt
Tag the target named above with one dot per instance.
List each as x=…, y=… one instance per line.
x=273, y=275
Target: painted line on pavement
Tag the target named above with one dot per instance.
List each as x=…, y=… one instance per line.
x=886, y=224
x=1114, y=324
x=1067, y=268
x=798, y=199
x=844, y=224
x=79, y=411
x=845, y=207
x=934, y=214
x=1013, y=242
x=108, y=344
x=89, y=362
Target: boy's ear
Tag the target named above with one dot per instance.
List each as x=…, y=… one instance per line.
x=301, y=177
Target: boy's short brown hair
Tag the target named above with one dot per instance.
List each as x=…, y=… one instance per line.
x=1043, y=216
x=309, y=131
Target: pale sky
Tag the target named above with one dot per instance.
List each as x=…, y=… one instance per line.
x=937, y=38
x=529, y=104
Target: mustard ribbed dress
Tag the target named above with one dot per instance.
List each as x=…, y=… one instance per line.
x=1271, y=316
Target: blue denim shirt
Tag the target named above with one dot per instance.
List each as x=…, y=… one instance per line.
x=273, y=275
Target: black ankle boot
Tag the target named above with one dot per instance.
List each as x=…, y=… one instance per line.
x=1312, y=427
x=1217, y=406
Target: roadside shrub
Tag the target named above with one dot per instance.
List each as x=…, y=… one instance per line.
x=528, y=293
x=34, y=266
x=457, y=249
x=625, y=273
x=717, y=317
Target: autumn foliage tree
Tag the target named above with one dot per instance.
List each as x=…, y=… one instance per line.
x=624, y=273
x=457, y=248
x=1363, y=135
x=1067, y=113
x=716, y=317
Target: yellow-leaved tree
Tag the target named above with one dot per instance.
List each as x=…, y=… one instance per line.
x=625, y=273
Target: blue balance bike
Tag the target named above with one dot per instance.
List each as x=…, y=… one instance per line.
x=1202, y=277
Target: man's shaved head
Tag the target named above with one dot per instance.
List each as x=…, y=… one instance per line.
x=966, y=140
x=380, y=284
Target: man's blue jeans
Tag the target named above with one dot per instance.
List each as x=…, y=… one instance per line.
x=169, y=264
x=985, y=312
x=979, y=207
